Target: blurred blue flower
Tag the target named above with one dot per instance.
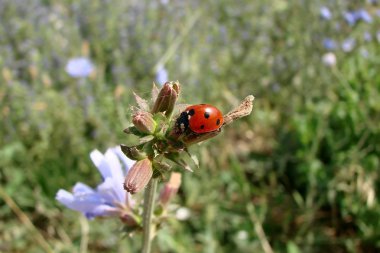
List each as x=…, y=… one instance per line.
x=79, y=67
x=367, y=36
x=109, y=198
x=348, y=45
x=161, y=75
x=364, y=15
x=350, y=17
x=325, y=13
x=329, y=44
x=364, y=52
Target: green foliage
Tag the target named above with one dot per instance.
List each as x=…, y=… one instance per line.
x=307, y=159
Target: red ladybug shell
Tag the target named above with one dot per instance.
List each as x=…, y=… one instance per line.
x=204, y=118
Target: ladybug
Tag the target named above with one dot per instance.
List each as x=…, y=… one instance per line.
x=202, y=118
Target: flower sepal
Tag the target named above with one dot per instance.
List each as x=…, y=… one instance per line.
x=133, y=152
x=160, y=168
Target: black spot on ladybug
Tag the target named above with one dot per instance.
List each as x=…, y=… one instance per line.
x=202, y=126
x=207, y=115
x=218, y=122
x=191, y=112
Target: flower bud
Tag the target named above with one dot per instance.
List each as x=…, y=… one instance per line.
x=138, y=176
x=167, y=98
x=144, y=122
x=170, y=188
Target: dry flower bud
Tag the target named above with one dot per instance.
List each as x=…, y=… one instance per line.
x=167, y=98
x=138, y=176
x=144, y=122
x=170, y=188
x=244, y=109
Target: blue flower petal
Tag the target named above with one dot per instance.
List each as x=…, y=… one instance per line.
x=128, y=163
x=100, y=163
x=80, y=201
x=82, y=188
x=351, y=18
x=329, y=44
x=348, y=44
x=115, y=166
x=161, y=75
x=325, y=13
x=102, y=210
x=104, y=200
x=364, y=15
x=111, y=192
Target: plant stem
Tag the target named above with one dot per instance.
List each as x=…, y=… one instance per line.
x=148, y=227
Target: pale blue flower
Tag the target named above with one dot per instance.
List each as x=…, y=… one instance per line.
x=79, y=67
x=364, y=52
x=325, y=13
x=348, y=45
x=161, y=75
x=364, y=15
x=109, y=198
x=329, y=44
x=367, y=36
x=350, y=17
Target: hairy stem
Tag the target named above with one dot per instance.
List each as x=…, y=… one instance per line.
x=148, y=227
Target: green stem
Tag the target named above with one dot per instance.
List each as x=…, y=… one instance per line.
x=148, y=227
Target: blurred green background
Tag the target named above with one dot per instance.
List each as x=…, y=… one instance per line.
x=300, y=173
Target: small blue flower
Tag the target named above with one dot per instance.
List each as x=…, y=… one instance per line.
x=79, y=67
x=325, y=13
x=348, y=45
x=109, y=198
x=329, y=44
x=161, y=75
x=364, y=15
x=350, y=17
